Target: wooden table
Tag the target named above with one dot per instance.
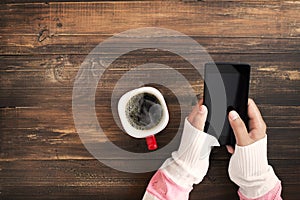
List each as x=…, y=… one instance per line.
x=43, y=44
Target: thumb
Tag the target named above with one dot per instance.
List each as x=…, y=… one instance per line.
x=240, y=131
x=198, y=117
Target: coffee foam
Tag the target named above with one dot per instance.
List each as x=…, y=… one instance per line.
x=144, y=111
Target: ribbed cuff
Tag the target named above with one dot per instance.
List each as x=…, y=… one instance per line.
x=195, y=145
x=252, y=159
x=190, y=163
x=249, y=169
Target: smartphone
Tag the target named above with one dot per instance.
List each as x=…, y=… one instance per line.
x=235, y=78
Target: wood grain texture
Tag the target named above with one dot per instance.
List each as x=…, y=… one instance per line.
x=245, y=19
x=44, y=43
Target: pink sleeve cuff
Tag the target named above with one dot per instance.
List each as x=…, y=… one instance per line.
x=163, y=188
x=274, y=194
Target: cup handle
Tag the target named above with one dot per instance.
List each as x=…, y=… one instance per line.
x=151, y=142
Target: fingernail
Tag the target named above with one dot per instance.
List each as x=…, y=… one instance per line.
x=233, y=115
x=202, y=109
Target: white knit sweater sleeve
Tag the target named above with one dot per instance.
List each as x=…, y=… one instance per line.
x=249, y=169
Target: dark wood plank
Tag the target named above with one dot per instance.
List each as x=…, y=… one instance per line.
x=203, y=192
x=59, y=72
x=187, y=1
x=83, y=44
x=201, y=18
x=66, y=178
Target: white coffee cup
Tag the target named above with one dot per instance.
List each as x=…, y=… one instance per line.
x=158, y=108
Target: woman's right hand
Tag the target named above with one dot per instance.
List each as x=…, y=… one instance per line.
x=257, y=126
x=248, y=166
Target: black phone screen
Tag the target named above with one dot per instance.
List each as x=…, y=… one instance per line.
x=236, y=84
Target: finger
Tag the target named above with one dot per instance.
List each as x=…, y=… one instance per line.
x=240, y=131
x=230, y=149
x=198, y=120
x=253, y=112
x=195, y=110
x=200, y=102
x=256, y=121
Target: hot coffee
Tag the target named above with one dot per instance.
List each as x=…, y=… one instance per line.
x=144, y=111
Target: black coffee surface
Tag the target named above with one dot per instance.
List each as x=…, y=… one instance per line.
x=144, y=111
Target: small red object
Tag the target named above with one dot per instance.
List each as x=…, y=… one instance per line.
x=151, y=142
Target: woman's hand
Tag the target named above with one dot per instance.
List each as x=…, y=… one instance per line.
x=257, y=126
x=248, y=166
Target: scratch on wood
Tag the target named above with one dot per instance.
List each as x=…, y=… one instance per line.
x=64, y=131
x=292, y=2
x=269, y=69
x=293, y=75
x=20, y=45
x=43, y=35
x=32, y=136
x=282, y=74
